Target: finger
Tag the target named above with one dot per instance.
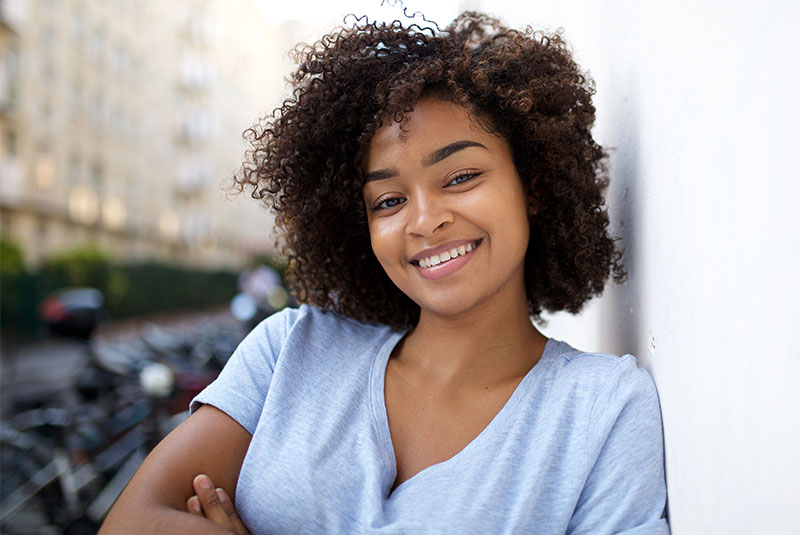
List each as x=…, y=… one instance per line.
x=209, y=501
x=230, y=510
x=193, y=506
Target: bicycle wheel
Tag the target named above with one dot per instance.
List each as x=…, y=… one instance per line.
x=30, y=498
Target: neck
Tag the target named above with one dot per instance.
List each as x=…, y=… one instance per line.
x=494, y=343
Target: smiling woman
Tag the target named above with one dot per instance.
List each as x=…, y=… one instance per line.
x=436, y=189
x=448, y=180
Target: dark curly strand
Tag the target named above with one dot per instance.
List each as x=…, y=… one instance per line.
x=305, y=161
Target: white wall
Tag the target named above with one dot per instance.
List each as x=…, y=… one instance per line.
x=699, y=101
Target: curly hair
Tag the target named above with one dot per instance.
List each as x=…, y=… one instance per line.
x=305, y=159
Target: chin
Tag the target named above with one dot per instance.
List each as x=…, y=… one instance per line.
x=452, y=309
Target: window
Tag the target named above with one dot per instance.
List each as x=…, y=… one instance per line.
x=48, y=37
x=76, y=24
x=76, y=97
x=11, y=142
x=48, y=70
x=197, y=127
x=96, y=178
x=46, y=110
x=11, y=82
x=118, y=59
x=74, y=174
x=116, y=120
x=44, y=166
x=97, y=110
x=98, y=45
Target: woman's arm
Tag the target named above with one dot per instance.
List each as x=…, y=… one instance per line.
x=208, y=442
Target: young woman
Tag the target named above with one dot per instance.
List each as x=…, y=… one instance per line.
x=436, y=190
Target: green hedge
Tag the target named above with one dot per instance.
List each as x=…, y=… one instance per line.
x=130, y=290
x=156, y=287
x=20, y=294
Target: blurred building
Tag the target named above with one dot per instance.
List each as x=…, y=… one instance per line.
x=121, y=119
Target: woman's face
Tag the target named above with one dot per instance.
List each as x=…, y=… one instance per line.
x=447, y=211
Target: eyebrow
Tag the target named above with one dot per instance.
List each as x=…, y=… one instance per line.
x=433, y=158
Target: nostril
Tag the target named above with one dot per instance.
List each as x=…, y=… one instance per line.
x=427, y=217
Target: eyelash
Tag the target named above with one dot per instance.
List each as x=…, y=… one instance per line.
x=380, y=205
x=467, y=175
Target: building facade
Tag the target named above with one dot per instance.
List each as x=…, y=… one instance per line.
x=121, y=120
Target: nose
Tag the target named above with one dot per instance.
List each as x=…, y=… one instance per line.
x=427, y=214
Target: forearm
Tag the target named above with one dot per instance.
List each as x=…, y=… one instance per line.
x=157, y=520
x=154, y=501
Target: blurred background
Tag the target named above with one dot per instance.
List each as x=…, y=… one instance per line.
x=127, y=275
x=120, y=122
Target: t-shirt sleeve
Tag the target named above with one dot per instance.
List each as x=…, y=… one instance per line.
x=241, y=387
x=625, y=491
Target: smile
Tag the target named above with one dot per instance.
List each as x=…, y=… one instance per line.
x=448, y=261
x=446, y=256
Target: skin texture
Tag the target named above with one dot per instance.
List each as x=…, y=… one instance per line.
x=154, y=502
x=473, y=194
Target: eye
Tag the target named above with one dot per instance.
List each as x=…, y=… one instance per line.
x=391, y=202
x=463, y=176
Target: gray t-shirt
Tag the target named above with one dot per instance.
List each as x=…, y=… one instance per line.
x=576, y=449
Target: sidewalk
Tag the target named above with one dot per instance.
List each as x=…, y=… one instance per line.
x=40, y=369
x=31, y=371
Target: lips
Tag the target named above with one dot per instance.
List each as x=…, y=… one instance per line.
x=443, y=253
x=446, y=256
x=438, y=262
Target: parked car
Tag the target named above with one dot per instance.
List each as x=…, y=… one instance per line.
x=73, y=312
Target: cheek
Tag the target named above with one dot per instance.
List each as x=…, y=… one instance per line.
x=383, y=240
x=515, y=225
x=518, y=205
x=523, y=223
x=388, y=249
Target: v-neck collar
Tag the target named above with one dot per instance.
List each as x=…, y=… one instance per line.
x=381, y=419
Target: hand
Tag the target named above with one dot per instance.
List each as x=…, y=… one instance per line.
x=215, y=505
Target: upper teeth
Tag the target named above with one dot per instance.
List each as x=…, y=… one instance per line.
x=445, y=256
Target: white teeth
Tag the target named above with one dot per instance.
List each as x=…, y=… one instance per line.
x=445, y=256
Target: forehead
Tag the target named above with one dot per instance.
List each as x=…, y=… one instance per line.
x=432, y=124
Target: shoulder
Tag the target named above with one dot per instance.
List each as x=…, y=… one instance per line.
x=325, y=325
x=622, y=437
x=606, y=382
x=602, y=370
x=314, y=328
